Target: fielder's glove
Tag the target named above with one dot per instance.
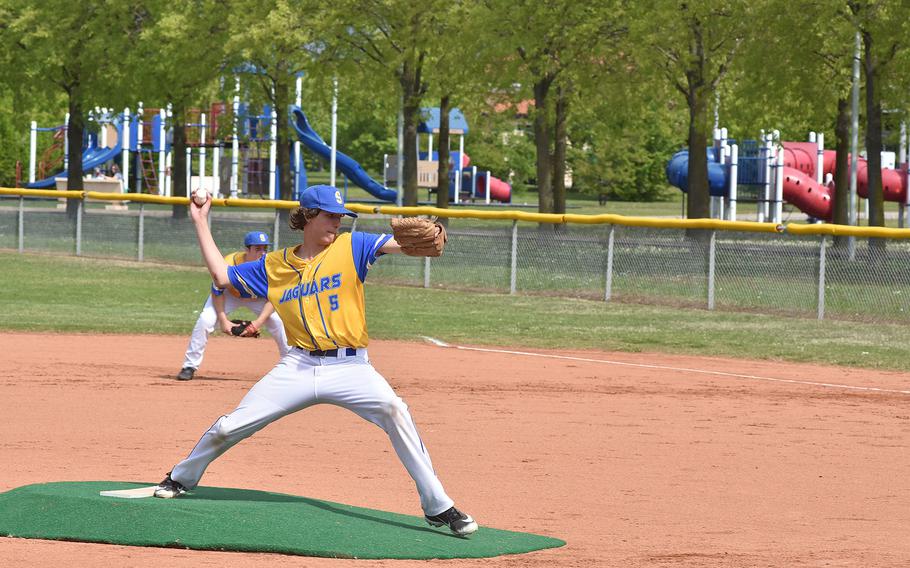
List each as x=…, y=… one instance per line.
x=244, y=328
x=418, y=236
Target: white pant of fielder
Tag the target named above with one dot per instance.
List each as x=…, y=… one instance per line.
x=208, y=319
x=301, y=380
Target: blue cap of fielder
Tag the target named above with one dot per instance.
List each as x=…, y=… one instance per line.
x=324, y=197
x=254, y=238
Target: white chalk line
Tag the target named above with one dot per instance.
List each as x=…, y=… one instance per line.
x=668, y=368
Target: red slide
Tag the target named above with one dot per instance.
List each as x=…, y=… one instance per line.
x=813, y=198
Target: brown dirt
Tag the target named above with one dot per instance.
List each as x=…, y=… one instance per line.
x=632, y=466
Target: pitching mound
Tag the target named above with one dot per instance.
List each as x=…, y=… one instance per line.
x=214, y=518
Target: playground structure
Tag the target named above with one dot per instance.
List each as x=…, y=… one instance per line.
x=773, y=172
x=465, y=181
x=243, y=159
x=141, y=144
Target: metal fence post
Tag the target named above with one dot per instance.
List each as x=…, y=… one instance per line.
x=277, y=226
x=711, y=258
x=426, y=272
x=79, y=226
x=514, y=276
x=21, y=224
x=140, y=245
x=608, y=292
x=821, y=278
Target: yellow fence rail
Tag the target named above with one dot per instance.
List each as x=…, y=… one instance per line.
x=503, y=215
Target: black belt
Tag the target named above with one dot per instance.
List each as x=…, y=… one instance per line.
x=349, y=351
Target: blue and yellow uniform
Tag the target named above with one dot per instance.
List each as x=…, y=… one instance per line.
x=232, y=259
x=320, y=301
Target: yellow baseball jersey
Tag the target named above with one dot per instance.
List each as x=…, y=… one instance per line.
x=232, y=259
x=320, y=301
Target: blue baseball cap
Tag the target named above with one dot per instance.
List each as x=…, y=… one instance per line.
x=324, y=197
x=254, y=238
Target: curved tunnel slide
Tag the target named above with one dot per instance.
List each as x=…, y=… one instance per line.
x=800, y=162
x=92, y=157
x=346, y=164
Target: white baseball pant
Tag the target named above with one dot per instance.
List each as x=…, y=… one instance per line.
x=301, y=380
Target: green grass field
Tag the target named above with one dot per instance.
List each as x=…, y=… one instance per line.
x=67, y=294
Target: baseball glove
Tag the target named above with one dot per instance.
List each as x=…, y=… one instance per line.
x=244, y=328
x=418, y=236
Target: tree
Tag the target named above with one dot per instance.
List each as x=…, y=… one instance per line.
x=397, y=40
x=555, y=49
x=169, y=67
x=71, y=47
x=882, y=28
x=691, y=47
x=278, y=38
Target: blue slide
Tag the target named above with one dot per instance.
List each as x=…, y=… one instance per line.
x=92, y=157
x=346, y=164
x=678, y=172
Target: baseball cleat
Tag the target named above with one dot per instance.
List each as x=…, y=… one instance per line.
x=459, y=523
x=168, y=489
x=186, y=374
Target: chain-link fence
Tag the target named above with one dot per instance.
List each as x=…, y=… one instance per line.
x=814, y=276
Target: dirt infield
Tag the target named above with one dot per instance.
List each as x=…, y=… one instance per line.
x=663, y=461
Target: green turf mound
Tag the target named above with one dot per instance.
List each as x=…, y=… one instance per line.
x=213, y=518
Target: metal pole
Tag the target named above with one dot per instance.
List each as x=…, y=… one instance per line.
x=459, y=179
x=399, y=200
x=902, y=160
x=513, y=281
x=202, y=152
x=125, y=156
x=21, y=225
x=162, y=137
x=32, y=151
x=273, y=154
x=820, y=158
x=66, y=142
x=298, y=100
x=333, y=160
x=821, y=278
x=608, y=292
x=275, y=229
x=426, y=272
x=79, y=227
x=734, y=173
x=235, y=142
x=140, y=245
x=711, y=257
x=767, y=155
x=779, y=186
x=137, y=186
x=854, y=143
x=487, y=187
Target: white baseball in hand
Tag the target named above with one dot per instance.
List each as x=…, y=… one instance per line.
x=200, y=196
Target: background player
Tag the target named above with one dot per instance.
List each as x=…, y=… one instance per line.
x=219, y=306
x=317, y=289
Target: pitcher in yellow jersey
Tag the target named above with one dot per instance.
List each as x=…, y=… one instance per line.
x=316, y=288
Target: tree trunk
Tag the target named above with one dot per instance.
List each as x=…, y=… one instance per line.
x=873, y=135
x=542, y=143
x=842, y=163
x=698, y=204
x=411, y=89
x=283, y=142
x=442, y=184
x=561, y=143
x=75, y=132
x=178, y=161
